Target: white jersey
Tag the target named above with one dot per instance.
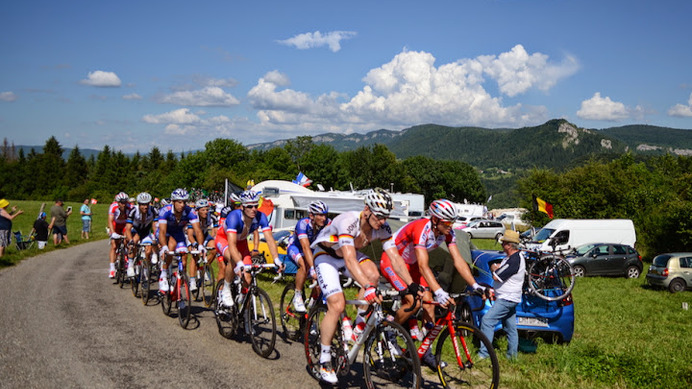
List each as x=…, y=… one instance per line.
x=345, y=230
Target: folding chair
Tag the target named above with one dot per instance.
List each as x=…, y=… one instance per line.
x=23, y=242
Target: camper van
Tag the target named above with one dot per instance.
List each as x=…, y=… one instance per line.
x=567, y=234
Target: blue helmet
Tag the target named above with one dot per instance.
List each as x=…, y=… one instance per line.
x=318, y=208
x=202, y=203
x=250, y=198
x=180, y=194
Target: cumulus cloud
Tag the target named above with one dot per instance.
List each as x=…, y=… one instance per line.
x=603, y=108
x=8, y=96
x=310, y=40
x=179, y=116
x=102, y=79
x=681, y=110
x=132, y=96
x=210, y=96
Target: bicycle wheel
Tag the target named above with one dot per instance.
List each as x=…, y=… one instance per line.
x=121, y=272
x=465, y=369
x=167, y=298
x=198, y=277
x=390, y=358
x=291, y=321
x=145, y=280
x=134, y=281
x=208, y=285
x=260, y=322
x=226, y=317
x=551, y=277
x=313, y=348
x=184, y=301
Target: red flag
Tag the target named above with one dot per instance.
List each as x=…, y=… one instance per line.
x=93, y=201
x=543, y=206
x=266, y=206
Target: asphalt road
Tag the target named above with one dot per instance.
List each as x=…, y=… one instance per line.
x=65, y=325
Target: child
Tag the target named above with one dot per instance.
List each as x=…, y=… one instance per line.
x=41, y=229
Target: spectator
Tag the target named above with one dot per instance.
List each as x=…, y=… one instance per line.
x=508, y=278
x=58, y=222
x=85, y=211
x=6, y=224
x=41, y=230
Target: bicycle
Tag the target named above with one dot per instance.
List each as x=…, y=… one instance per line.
x=549, y=275
x=253, y=308
x=292, y=321
x=206, y=281
x=180, y=282
x=140, y=259
x=388, y=356
x=120, y=264
x=459, y=343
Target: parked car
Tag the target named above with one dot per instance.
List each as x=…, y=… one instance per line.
x=485, y=229
x=281, y=238
x=672, y=271
x=599, y=259
x=463, y=221
x=553, y=320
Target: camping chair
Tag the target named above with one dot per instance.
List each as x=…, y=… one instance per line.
x=23, y=242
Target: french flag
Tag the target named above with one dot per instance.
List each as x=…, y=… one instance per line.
x=302, y=180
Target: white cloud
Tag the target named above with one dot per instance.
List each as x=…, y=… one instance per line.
x=315, y=39
x=179, y=116
x=210, y=96
x=8, y=96
x=100, y=78
x=132, y=96
x=603, y=108
x=681, y=110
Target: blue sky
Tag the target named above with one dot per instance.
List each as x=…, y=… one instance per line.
x=176, y=74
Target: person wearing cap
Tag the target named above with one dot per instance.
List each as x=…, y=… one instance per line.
x=41, y=230
x=58, y=222
x=6, y=224
x=508, y=278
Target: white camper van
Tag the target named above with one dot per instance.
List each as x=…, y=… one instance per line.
x=571, y=233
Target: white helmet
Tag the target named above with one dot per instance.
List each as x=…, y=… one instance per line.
x=379, y=201
x=444, y=210
x=202, y=203
x=122, y=196
x=144, y=198
x=180, y=194
x=235, y=198
x=249, y=198
x=318, y=208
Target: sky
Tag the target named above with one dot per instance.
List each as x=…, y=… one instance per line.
x=176, y=74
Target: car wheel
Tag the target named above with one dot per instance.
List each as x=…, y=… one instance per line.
x=632, y=272
x=579, y=271
x=677, y=285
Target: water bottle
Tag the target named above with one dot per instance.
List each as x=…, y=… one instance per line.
x=347, y=328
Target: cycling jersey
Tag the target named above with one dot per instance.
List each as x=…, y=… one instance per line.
x=141, y=223
x=207, y=225
x=119, y=217
x=176, y=226
x=236, y=225
x=304, y=230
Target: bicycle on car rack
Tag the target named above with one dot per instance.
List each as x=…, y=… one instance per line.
x=253, y=308
x=548, y=275
x=179, y=283
x=388, y=350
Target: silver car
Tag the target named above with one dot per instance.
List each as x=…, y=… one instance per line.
x=485, y=229
x=672, y=271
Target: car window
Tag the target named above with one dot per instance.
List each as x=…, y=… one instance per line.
x=686, y=262
x=601, y=250
x=584, y=249
x=630, y=250
x=661, y=260
x=495, y=224
x=619, y=250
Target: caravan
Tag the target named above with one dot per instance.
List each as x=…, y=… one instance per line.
x=567, y=234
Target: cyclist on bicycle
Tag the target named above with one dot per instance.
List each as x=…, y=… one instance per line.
x=173, y=219
x=414, y=241
x=335, y=250
x=139, y=227
x=117, y=219
x=239, y=224
x=208, y=223
x=299, y=247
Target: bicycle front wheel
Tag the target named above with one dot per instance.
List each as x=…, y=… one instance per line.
x=145, y=281
x=184, y=301
x=390, y=358
x=551, y=278
x=167, y=297
x=208, y=284
x=313, y=348
x=291, y=321
x=260, y=322
x=458, y=364
x=134, y=281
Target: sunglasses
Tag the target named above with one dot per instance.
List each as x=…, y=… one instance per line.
x=250, y=206
x=446, y=223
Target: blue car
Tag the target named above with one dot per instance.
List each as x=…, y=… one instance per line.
x=551, y=320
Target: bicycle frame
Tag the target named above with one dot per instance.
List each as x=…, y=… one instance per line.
x=448, y=321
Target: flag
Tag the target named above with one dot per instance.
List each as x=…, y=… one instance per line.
x=302, y=180
x=93, y=201
x=266, y=206
x=542, y=206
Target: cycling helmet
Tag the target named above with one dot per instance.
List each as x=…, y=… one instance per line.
x=235, y=198
x=165, y=202
x=225, y=211
x=318, y=208
x=249, y=197
x=144, y=198
x=444, y=210
x=180, y=194
x=131, y=200
x=379, y=202
x=202, y=203
x=122, y=196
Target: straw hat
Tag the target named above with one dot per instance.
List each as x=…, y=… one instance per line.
x=4, y=203
x=510, y=236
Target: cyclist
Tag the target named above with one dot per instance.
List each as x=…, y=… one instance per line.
x=173, y=219
x=414, y=241
x=208, y=223
x=299, y=247
x=335, y=250
x=117, y=219
x=139, y=227
x=238, y=225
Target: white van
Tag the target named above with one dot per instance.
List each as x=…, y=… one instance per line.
x=567, y=234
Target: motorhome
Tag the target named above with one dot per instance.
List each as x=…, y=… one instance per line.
x=467, y=213
x=565, y=234
x=291, y=202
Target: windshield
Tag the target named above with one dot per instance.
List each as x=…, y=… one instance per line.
x=661, y=260
x=542, y=235
x=584, y=249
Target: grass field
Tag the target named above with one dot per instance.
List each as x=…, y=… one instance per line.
x=626, y=334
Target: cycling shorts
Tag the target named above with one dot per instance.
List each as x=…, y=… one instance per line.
x=387, y=270
x=179, y=237
x=294, y=254
x=142, y=232
x=119, y=229
x=221, y=243
x=328, y=269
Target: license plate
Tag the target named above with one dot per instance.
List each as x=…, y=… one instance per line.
x=532, y=321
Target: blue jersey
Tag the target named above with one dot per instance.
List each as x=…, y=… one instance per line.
x=166, y=216
x=304, y=229
x=235, y=225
